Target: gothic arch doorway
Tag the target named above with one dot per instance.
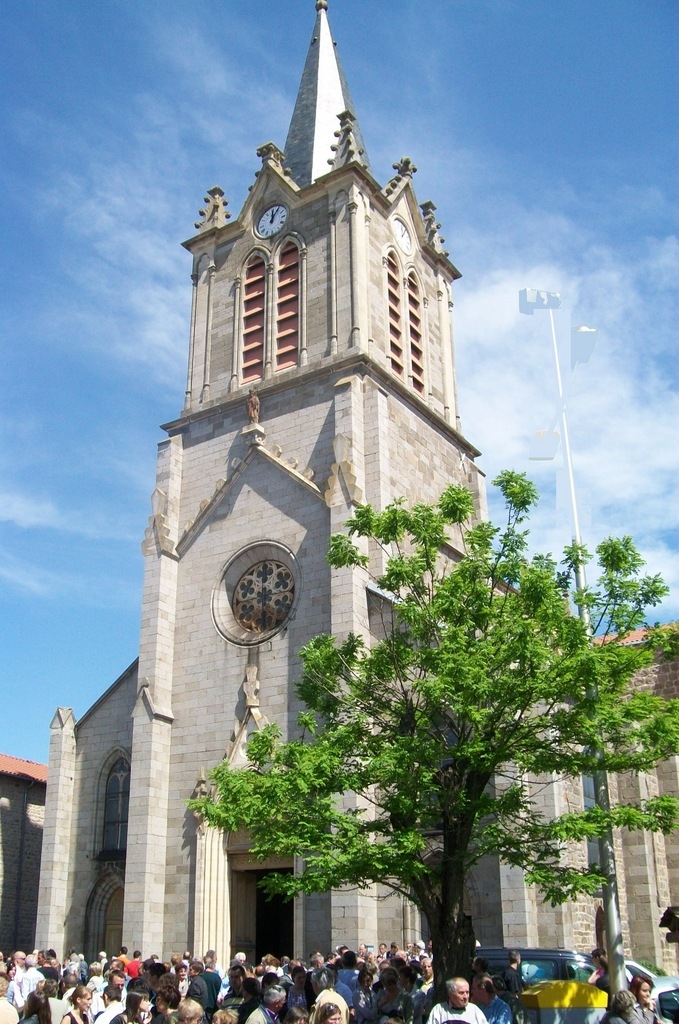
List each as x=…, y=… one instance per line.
x=104, y=915
x=113, y=922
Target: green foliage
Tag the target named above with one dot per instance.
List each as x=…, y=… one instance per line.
x=420, y=753
x=653, y=968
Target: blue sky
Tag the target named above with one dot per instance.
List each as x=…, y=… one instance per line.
x=546, y=135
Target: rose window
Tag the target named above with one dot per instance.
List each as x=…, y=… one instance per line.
x=263, y=596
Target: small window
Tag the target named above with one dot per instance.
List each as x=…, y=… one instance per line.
x=253, y=320
x=395, y=316
x=116, y=807
x=287, y=308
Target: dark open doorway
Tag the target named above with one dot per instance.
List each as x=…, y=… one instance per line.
x=274, y=932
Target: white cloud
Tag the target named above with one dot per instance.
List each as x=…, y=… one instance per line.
x=28, y=578
x=28, y=512
x=622, y=408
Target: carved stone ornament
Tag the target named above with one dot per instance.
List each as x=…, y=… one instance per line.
x=271, y=156
x=251, y=687
x=201, y=790
x=214, y=214
x=346, y=149
x=157, y=533
x=431, y=226
x=404, y=168
x=236, y=750
x=343, y=469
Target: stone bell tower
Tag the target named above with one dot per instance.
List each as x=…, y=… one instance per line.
x=320, y=375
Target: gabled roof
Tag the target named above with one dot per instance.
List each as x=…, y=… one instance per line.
x=29, y=770
x=323, y=95
x=206, y=508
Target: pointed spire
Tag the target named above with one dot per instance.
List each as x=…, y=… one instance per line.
x=323, y=95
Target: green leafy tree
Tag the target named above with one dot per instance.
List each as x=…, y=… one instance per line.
x=483, y=681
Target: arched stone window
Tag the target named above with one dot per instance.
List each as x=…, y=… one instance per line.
x=287, y=308
x=116, y=807
x=271, y=322
x=415, y=334
x=395, y=315
x=254, y=295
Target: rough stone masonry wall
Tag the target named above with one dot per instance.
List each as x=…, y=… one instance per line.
x=662, y=678
x=22, y=812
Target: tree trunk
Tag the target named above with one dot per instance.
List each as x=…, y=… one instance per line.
x=453, y=942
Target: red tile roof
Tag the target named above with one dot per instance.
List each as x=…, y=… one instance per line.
x=23, y=769
x=635, y=636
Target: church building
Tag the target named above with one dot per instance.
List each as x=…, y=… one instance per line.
x=321, y=374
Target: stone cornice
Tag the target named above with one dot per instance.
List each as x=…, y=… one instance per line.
x=359, y=362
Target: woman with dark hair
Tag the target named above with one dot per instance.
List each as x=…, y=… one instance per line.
x=80, y=1000
x=408, y=976
x=12, y=986
x=297, y=995
x=599, y=967
x=137, y=1009
x=364, y=999
x=167, y=1000
x=37, y=1009
x=600, y=976
x=50, y=988
x=392, y=1001
x=644, y=1011
x=295, y=1015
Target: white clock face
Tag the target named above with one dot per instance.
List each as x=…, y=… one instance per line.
x=272, y=220
x=403, y=235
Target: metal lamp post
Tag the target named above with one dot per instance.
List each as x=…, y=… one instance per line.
x=583, y=341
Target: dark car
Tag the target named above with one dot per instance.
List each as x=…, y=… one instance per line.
x=665, y=992
x=541, y=964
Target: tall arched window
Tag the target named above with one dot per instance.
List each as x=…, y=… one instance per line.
x=116, y=806
x=287, y=308
x=253, y=319
x=395, y=315
x=415, y=332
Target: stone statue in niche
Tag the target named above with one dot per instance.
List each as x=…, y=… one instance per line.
x=252, y=406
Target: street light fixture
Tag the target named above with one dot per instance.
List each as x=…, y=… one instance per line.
x=583, y=343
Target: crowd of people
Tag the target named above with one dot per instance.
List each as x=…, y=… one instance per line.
x=386, y=986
